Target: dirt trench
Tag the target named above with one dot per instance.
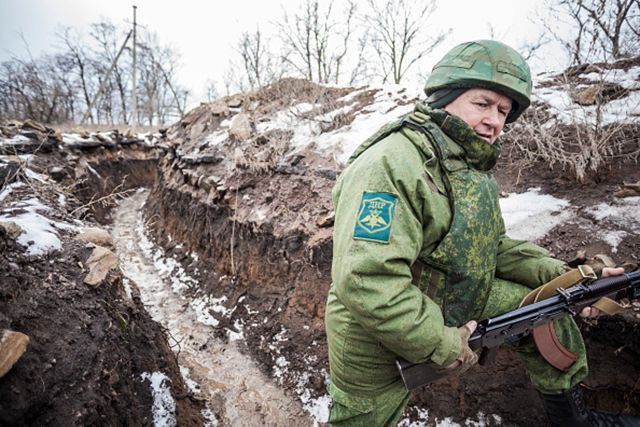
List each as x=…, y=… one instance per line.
x=230, y=383
x=281, y=270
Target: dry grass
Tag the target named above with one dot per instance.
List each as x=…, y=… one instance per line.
x=582, y=146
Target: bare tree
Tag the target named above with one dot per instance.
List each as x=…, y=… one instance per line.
x=159, y=94
x=63, y=87
x=32, y=89
x=258, y=60
x=108, y=43
x=397, y=29
x=602, y=29
x=77, y=52
x=212, y=91
x=317, y=40
x=529, y=49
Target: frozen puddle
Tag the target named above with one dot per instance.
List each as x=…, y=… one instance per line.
x=235, y=390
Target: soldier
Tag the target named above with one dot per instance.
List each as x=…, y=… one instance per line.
x=420, y=249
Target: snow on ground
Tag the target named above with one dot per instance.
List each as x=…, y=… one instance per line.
x=72, y=138
x=234, y=389
x=171, y=270
x=531, y=215
x=564, y=110
x=528, y=215
x=16, y=140
x=614, y=218
x=164, y=405
x=39, y=233
x=386, y=106
x=384, y=109
x=9, y=188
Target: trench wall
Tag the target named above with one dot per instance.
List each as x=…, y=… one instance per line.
x=287, y=275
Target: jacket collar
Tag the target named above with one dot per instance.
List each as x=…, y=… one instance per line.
x=478, y=153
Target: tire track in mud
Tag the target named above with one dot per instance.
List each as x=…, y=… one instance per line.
x=230, y=383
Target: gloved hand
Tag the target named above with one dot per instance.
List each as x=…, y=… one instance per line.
x=606, y=272
x=467, y=358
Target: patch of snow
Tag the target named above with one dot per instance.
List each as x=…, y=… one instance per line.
x=531, y=215
x=36, y=228
x=210, y=418
x=62, y=200
x=617, y=219
x=34, y=175
x=16, y=140
x=421, y=413
x=193, y=386
x=107, y=136
x=623, y=210
x=168, y=267
x=8, y=189
x=239, y=335
x=217, y=138
x=626, y=78
x=352, y=95
x=318, y=408
x=260, y=213
x=613, y=238
x=383, y=110
x=72, y=138
x=622, y=110
x=164, y=405
x=127, y=288
x=203, y=315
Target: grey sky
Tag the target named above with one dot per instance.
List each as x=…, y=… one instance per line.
x=204, y=32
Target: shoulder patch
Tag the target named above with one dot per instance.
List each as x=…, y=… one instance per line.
x=375, y=217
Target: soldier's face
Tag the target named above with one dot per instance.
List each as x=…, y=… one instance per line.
x=484, y=110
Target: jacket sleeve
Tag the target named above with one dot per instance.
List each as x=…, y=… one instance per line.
x=526, y=263
x=373, y=279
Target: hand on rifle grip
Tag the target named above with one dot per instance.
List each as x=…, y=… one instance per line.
x=467, y=358
x=606, y=272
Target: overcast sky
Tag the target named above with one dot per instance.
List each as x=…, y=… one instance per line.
x=204, y=32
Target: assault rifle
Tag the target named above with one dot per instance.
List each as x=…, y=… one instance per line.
x=512, y=326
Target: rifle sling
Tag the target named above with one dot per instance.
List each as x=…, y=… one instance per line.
x=545, y=336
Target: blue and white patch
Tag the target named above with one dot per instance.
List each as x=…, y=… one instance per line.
x=375, y=217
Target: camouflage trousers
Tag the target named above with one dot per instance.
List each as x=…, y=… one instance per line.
x=381, y=403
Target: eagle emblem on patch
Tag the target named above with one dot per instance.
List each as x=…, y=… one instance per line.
x=375, y=217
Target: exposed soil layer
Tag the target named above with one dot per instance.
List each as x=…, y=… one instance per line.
x=266, y=236
x=88, y=346
x=91, y=348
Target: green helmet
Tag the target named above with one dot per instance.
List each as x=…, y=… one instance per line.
x=486, y=64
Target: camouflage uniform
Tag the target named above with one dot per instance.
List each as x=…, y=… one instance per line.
x=420, y=249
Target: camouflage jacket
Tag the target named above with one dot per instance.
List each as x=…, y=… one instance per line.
x=394, y=206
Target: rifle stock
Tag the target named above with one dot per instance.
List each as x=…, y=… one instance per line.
x=514, y=325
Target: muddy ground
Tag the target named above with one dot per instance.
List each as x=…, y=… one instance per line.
x=231, y=249
x=263, y=241
x=93, y=350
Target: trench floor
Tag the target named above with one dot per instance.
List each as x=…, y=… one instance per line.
x=230, y=383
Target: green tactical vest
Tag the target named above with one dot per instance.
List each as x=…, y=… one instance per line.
x=458, y=274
